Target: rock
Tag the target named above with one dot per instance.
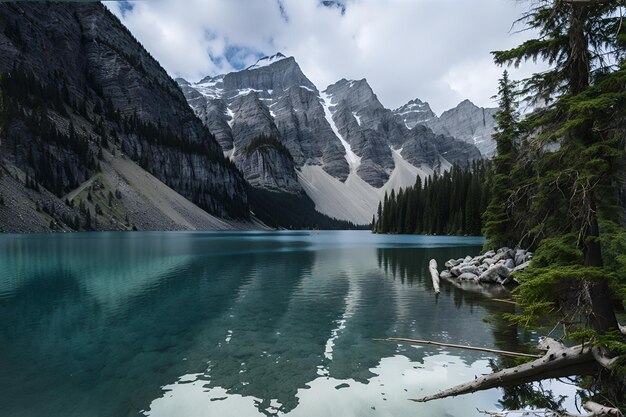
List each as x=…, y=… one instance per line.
x=469, y=269
x=452, y=263
x=456, y=271
x=509, y=280
x=504, y=254
x=489, y=261
x=494, y=274
x=520, y=254
x=490, y=254
x=509, y=263
x=445, y=275
x=467, y=276
x=467, y=259
x=521, y=267
x=503, y=249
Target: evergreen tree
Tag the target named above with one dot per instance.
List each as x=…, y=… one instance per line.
x=440, y=206
x=499, y=226
x=573, y=167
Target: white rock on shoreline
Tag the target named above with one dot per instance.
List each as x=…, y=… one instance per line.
x=493, y=267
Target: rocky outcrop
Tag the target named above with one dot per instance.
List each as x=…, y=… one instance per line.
x=267, y=164
x=415, y=112
x=466, y=122
x=469, y=123
x=372, y=131
x=494, y=267
x=76, y=84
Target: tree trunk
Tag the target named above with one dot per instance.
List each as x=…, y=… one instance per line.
x=557, y=362
x=577, y=65
x=602, y=317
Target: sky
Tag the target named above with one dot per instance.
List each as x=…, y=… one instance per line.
x=434, y=50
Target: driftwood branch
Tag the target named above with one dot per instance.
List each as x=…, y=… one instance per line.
x=602, y=359
x=548, y=344
x=434, y=274
x=598, y=410
x=502, y=300
x=480, y=349
x=556, y=363
x=594, y=410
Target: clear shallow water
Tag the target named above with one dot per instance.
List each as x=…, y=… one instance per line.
x=236, y=324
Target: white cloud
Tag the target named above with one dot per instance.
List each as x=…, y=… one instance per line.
x=437, y=50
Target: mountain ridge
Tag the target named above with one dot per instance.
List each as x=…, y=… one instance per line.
x=466, y=121
x=336, y=133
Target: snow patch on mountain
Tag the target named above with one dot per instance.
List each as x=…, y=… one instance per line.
x=355, y=200
x=353, y=159
x=266, y=61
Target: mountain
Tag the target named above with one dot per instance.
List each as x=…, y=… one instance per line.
x=95, y=135
x=466, y=122
x=415, y=112
x=340, y=147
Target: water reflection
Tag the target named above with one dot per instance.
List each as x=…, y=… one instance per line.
x=231, y=324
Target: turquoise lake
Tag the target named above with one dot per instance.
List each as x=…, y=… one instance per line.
x=238, y=324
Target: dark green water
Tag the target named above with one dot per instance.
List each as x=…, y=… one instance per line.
x=235, y=324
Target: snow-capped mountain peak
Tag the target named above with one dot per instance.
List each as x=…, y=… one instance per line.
x=267, y=61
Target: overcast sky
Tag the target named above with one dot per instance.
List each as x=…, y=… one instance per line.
x=435, y=50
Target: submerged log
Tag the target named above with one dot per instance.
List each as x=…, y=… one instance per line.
x=434, y=274
x=558, y=362
x=481, y=349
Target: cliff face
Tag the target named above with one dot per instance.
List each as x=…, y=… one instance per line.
x=77, y=91
x=467, y=122
x=372, y=132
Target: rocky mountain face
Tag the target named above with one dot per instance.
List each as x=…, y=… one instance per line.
x=466, y=122
x=85, y=110
x=372, y=133
x=343, y=135
x=415, y=112
x=272, y=98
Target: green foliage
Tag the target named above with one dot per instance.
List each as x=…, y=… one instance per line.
x=568, y=198
x=448, y=203
x=498, y=218
x=558, y=24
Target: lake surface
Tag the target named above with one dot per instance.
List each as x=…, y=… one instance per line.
x=237, y=324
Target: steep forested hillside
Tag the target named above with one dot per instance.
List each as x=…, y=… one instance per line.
x=79, y=94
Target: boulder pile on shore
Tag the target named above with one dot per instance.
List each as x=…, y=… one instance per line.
x=494, y=267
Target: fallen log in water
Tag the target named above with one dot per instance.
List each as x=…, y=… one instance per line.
x=481, y=349
x=434, y=274
x=559, y=361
